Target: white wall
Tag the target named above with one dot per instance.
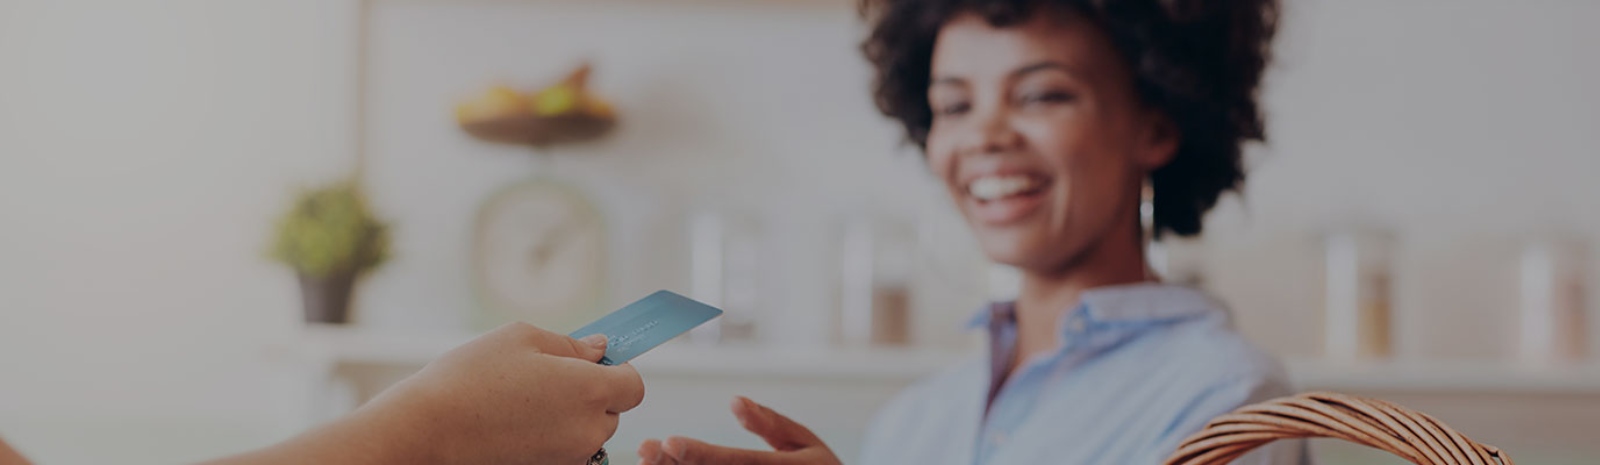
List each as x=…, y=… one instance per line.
x=760, y=108
x=1464, y=126
x=145, y=146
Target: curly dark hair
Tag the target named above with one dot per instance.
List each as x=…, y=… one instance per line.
x=1198, y=61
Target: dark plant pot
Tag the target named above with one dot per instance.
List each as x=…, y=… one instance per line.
x=327, y=298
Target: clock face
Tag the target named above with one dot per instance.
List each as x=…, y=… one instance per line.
x=539, y=254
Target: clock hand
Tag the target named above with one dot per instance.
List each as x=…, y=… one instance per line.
x=540, y=254
x=545, y=248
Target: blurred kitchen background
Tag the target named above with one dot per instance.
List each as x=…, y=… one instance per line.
x=1417, y=229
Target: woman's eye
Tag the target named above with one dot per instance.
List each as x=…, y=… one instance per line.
x=1047, y=97
x=952, y=109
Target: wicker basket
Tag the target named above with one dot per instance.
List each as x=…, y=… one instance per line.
x=1374, y=423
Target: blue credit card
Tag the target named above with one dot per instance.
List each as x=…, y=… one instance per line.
x=640, y=326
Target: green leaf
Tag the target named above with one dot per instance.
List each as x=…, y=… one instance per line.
x=331, y=229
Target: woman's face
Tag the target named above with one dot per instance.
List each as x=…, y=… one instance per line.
x=1040, y=138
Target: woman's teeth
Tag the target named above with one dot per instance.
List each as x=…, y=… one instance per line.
x=999, y=187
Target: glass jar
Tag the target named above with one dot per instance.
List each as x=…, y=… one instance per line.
x=725, y=270
x=875, y=298
x=1552, y=322
x=1358, y=295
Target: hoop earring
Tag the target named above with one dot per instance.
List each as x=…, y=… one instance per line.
x=1154, y=254
x=1147, y=210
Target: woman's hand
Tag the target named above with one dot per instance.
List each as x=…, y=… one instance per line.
x=9, y=456
x=517, y=395
x=793, y=444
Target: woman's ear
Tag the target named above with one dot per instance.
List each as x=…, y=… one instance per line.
x=1160, y=141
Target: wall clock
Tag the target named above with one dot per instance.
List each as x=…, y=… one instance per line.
x=539, y=255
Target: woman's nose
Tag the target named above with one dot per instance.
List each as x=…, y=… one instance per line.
x=992, y=132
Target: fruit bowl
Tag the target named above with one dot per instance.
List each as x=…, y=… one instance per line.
x=562, y=113
x=539, y=131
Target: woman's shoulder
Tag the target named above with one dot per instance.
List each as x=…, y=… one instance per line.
x=1180, y=330
x=1211, y=348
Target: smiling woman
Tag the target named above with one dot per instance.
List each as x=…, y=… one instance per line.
x=1041, y=140
x=1046, y=121
x=1198, y=62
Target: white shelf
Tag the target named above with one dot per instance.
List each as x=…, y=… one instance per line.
x=1454, y=376
x=334, y=345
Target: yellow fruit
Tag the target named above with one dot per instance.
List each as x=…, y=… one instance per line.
x=556, y=100
x=497, y=102
x=595, y=106
x=578, y=78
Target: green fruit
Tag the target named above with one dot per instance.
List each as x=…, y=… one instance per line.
x=555, y=101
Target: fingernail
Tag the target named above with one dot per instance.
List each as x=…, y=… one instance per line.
x=673, y=446
x=597, y=341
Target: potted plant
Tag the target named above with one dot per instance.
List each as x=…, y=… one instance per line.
x=330, y=238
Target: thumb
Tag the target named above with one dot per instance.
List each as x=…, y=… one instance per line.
x=591, y=347
x=777, y=430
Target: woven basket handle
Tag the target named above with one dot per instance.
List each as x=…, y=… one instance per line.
x=1374, y=423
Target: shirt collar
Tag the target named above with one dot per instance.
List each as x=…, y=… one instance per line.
x=1147, y=302
x=1129, y=303
x=1001, y=311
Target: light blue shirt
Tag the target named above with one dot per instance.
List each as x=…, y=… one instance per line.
x=1141, y=368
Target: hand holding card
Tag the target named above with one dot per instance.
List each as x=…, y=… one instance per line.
x=518, y=394
x=647, y=323
x=641, y=326
x=654, y=320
